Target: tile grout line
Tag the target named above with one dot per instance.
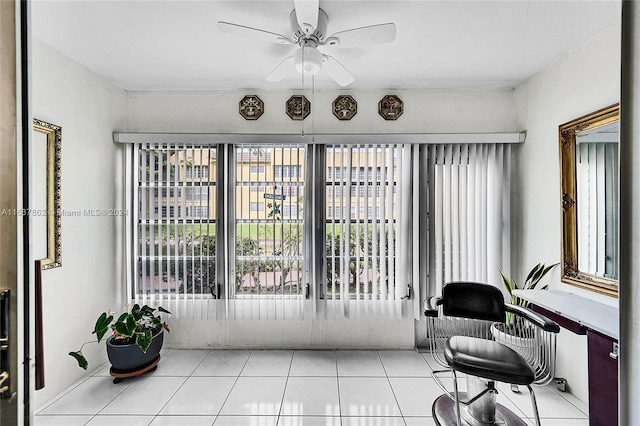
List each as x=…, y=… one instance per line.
x=395, y=398
x=338, y=387
x=64, y=393
x=152, y=415
x=562, y=395
x=521, y=412
x=285, y=388
x=179, y=387
x=111, y=401
x=232, y=386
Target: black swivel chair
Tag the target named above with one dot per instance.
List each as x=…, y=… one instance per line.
x=473, y=331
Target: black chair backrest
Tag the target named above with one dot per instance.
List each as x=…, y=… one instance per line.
x=473, y=300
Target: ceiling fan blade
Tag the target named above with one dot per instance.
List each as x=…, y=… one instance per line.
x=307, y=14
x=241, y=30
x=337, y=71
x=281, y=70
x=363, y=36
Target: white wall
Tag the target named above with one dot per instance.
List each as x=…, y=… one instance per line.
x=290, y=334
x=89, y=282
x=430, y=111
x=585, y=81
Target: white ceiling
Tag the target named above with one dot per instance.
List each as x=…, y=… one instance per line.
x=174, y=45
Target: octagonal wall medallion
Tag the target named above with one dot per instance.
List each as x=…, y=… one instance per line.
x=298, y=107
x=390, y=107
x=251, y=107
x=345, y=107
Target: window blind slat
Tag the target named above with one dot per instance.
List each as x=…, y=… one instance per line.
x=483, y=250
x=471, y=208
x=463, y=213
x=447, y=227
x=143, y=176
x=455, y=213
x=375, y=273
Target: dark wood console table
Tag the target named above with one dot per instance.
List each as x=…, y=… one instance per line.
x=600, y=323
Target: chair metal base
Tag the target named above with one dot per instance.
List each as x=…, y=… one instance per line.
x=444, y=413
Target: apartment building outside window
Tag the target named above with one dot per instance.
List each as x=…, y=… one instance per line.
x=197, y=171
x=198, y=211
x=257, y=206
x=287, y=171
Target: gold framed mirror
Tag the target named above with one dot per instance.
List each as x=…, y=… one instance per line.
x=45, y=189
x=590, y=199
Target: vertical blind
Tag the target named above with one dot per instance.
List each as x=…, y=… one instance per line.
x=368, y=229
x=282, y=231
x=470, y=213
x=176, y=227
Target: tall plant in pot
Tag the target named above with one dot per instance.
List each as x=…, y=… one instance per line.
x=532, y=281
x=514, y=324
x=136, y=338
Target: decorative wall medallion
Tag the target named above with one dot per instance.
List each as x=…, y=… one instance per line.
x=390, y=107
x=345, y=107
x=251, y=107
x=298, y=107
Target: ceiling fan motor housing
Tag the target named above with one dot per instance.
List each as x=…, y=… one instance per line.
x=300, y=35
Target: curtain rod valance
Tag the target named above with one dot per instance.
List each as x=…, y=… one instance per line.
x=318, y=138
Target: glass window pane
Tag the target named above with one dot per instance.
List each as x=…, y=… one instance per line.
x=269, y=225
x=176, y=218
x=360, y=217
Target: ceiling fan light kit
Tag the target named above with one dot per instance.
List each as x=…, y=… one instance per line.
x=308, y=59
x=309, y=31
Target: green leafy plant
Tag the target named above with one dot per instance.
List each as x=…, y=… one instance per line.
x=136, y=325
x=530, y=283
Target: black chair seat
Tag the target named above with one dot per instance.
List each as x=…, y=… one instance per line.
x=488, y=359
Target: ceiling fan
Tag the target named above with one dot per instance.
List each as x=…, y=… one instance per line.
x=309, y=31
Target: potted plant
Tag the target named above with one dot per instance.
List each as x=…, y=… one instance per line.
x=514, y=331
x=136, y=340
x=530, y=283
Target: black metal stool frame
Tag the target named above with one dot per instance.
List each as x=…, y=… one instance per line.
x=471, y=320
